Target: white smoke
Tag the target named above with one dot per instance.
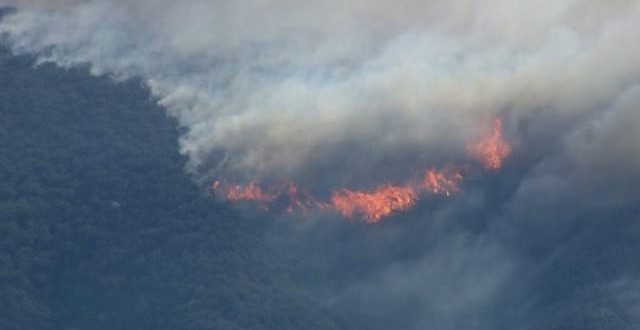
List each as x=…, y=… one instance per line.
x=280, y=85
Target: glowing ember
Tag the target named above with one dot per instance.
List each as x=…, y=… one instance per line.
x=493, y=148
x=375, y=204
x=301, y=200
x=250, y=192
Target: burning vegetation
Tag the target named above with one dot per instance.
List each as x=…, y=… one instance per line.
x=492, y=149
x=374, y=204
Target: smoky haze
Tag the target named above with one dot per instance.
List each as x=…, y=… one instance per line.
x=285, y=89
x=334, y=92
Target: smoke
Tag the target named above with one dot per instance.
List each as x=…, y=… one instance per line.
x=287, y=89
x=441, y=289
x=40, y=3
x=335, y=93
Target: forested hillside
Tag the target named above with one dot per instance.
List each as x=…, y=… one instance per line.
x=105, y=225
x=100, y=228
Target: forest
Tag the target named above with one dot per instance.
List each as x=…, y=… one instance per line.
x=100, y=228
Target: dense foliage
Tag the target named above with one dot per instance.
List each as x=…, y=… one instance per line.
x=101, y=229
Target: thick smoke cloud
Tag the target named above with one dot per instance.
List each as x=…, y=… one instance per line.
x=332, y=91
x=285, y=88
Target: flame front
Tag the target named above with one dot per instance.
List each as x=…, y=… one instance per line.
x=381, y=201
x=492, y=149
x=375, y=204
x=371, y=205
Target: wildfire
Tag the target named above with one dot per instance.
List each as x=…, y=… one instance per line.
x=373, y=205
x=297, y=199
x=442, y=182
x=378, y=202
x=300, y=199
x=250, y=192
x=493, y=148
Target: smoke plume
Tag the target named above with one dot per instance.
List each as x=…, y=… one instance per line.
x=340, y=90
x=536, y=102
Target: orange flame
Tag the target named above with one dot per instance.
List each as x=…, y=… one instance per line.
x=493, y=148
x=298, y=199
x=373, y=205
x=370, y=205
x=382, y=200
x=250, y=192
x=442, y=182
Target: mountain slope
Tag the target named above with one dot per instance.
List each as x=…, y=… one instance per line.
x=101, y=229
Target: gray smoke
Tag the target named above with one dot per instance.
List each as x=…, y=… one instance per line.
x=326, y=90
x=283, y=88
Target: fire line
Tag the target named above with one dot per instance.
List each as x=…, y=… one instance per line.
x=381, y=201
